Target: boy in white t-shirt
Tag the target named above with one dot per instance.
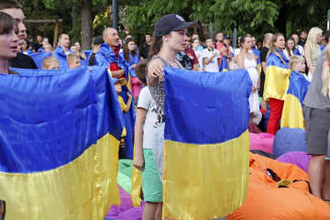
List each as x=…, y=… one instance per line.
x=211, y=57
x=145, y=138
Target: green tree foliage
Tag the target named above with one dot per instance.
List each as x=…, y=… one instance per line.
x=249, y=16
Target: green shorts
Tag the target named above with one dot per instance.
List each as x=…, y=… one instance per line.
x=152, y=187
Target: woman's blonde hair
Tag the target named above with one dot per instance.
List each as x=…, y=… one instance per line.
x=295, y=59
x=326, y=72
x=311, y=41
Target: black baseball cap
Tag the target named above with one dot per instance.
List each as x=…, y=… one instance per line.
x=171, y=22
x=98, y=40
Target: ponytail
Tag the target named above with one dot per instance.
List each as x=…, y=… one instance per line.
x=157, y=43
x=326, y=72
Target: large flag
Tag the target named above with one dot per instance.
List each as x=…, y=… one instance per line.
x=59, y=136
x=292, y=115
x=277, y=78
x=206, y=148
x=38, y=58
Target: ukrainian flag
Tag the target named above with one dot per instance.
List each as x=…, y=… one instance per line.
x=223, y=65
x=277, y=78
x=206, y=148
x=257, y=53
x=59, y=136
x=292, y=115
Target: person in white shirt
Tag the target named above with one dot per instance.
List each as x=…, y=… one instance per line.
x=299, y=47
x=198, y=53
x=211, y=57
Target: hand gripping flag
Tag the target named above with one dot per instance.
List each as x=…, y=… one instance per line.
x=277, y=78
x=292, y=115
x=206, y=148
x=59, y=136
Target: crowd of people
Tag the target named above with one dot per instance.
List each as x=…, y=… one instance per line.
x=141, y=70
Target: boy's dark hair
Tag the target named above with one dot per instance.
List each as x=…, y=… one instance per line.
x=141, y=71
x=326, y=36
x=6, y=4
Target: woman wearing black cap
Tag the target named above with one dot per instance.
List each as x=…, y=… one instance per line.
x=170, y=37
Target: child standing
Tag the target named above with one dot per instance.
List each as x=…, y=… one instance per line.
x=118, y=83
x=145, y=138
x=292, y=115
x=297, y=63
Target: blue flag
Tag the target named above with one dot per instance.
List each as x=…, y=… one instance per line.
x=38, y=58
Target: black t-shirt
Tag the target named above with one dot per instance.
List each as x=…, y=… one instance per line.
x=301, y=43
x=144, y=51
x=263, y=58
x=37, y=46
x=22, y=61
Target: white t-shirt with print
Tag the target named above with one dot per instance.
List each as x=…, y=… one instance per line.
x=212, y=66
x=150, y=125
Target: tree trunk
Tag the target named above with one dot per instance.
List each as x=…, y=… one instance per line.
x=74, y=13
x=86, y=24
x=280, y=23
x=35, y=4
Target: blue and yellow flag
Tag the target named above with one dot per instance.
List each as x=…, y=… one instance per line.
x=223, y=65
x=206, y=148
x=129, y=122
x=292, y=114
x=38, y=58
x=59, y=136
x=257, y=53
x=277, y=77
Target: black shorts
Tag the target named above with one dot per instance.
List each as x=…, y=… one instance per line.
x=317, y=128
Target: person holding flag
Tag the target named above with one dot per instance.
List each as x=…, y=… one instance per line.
x=170, y=37
x=292, y=116
x=277, y=81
